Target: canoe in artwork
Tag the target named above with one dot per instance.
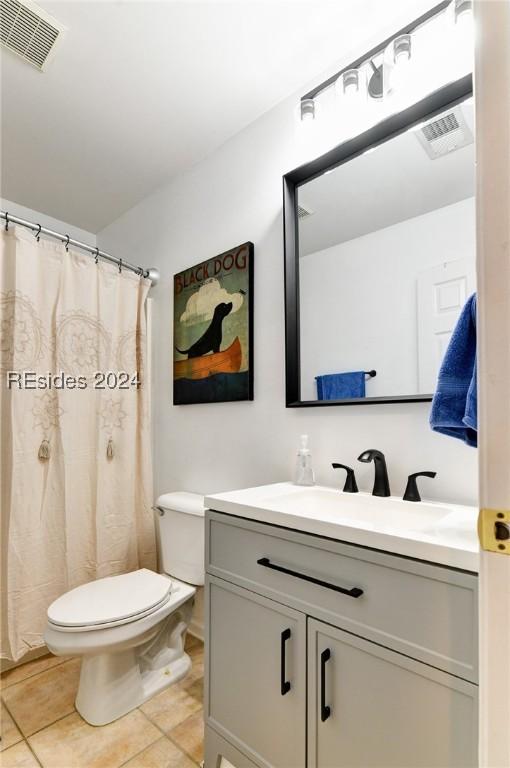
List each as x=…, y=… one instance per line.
x=227, y=361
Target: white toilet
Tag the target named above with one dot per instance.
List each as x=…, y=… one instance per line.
x=130, y=629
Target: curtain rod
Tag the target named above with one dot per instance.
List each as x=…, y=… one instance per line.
x=151, y=273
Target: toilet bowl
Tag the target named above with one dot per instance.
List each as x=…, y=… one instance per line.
x=130, y=629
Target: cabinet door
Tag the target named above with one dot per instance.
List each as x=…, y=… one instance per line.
x=373, y=708
x=256, y=671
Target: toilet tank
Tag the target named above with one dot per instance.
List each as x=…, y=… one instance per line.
x=180, y=530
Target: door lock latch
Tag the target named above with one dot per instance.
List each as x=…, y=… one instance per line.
x=494, y=530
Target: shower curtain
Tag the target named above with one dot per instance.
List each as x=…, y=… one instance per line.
x=76, y=476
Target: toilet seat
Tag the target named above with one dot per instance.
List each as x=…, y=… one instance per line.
x=110, y=602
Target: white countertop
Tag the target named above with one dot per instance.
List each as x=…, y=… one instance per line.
x=438, y=533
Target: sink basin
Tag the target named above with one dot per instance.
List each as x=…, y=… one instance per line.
x=361, y=509
x=425, y=530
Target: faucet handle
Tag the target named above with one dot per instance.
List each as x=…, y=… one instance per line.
x=350, y=481
x=411, y=492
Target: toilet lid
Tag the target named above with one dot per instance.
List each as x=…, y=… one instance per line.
x=112, y=599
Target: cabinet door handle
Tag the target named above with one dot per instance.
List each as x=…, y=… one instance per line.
x=284, y=684
x=353, y=592
x=325, y=710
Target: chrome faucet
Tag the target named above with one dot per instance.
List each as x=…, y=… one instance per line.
x=381, y=482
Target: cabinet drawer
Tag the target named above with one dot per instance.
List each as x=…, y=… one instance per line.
x=425, y=611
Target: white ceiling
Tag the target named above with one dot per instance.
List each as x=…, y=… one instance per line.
x=395, y=182
x=139, y=91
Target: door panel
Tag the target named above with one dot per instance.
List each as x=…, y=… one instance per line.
x=256, y=653
x=442, y=292
x=385, y=710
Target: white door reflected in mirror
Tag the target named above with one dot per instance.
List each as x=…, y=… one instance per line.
x=442, y=292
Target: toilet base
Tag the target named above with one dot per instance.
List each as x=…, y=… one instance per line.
x=112, y=684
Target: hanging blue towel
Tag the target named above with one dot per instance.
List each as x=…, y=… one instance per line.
x=338, y=386
x=454, y=407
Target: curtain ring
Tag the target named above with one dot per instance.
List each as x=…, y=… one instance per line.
x=120, y=266
x=38, y=233
x=67, y=243
x=6, y=221
x=96, y=257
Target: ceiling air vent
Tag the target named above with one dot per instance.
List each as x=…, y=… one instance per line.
x=445, y=134
x=26, y=29
x=303, y=212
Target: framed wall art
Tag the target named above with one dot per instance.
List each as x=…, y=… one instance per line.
x=213, y=329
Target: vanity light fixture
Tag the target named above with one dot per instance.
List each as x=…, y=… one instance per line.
x=391, y=65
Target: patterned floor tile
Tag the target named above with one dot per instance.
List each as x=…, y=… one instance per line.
x=161, y=754
x=71, y=742
x=41, y=699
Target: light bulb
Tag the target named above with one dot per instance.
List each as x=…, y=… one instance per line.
x=400, y=71
x=307, y=128
x=307, y=107
x=347, y=84
x=463, y=37
x=462, y=10
x=465, y=28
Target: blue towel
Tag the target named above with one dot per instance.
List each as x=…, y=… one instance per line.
x=338, y=386
x=454, y=407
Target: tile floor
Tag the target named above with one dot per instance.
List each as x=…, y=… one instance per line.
x=40, y=726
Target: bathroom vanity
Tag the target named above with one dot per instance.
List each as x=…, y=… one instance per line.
x=342, y=631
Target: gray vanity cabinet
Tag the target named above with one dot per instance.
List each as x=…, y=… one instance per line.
x=321, y=654
x=257, y=675
x=370, y=707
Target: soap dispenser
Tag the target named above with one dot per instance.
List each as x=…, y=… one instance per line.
x=304, y=471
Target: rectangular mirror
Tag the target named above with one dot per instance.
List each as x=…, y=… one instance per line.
x=380, y=256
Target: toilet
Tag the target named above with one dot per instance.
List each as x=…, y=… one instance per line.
x=130, y=629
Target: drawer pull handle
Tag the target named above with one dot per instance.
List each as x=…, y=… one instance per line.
x=325, y=710
x=354, y=592
x=285, y=684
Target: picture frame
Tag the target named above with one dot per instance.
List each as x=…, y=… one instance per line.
x=213, y=329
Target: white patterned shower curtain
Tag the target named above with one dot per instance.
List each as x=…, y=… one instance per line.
x=76, y=476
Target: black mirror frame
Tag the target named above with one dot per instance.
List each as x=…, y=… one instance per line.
x=438, y=101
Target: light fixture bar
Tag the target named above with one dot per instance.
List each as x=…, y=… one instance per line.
x=407, y=30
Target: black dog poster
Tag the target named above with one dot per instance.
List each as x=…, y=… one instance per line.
x=213, y=329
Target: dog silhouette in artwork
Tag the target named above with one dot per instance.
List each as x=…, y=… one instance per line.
x=210, y=341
